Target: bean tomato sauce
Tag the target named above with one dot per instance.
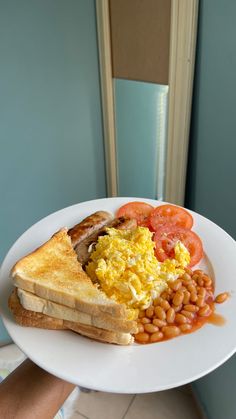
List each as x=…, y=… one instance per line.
x=184, y=307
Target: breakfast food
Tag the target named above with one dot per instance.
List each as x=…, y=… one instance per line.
x=85, y=234
x=53, y=273
x=40, y=305
x=188, y=301
x=170, y=214
x=166, y=235
x=118, y=279
x=170, y=224
x=185, y=306
x=89, y=226
x=125, y=266
x=140, y=211
x=33, y=319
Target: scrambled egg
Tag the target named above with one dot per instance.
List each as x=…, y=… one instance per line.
x=125, y=266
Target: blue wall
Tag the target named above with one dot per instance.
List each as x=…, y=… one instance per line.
x=212, y=169
x=50, y=112
x=51, y=138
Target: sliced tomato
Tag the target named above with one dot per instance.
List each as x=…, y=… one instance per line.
x=140, y=211
x=170, y=214
x=166, y=237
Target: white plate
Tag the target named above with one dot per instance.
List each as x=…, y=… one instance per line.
x=136, y=368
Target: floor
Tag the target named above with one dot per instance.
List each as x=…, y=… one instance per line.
x=171, y=404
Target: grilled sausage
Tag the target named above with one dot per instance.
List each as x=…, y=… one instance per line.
x=90, y=225
x=123, y=223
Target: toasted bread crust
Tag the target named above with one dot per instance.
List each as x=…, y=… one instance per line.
x=100, y=334
x=52, y=272
x=32, y=302
x=32, y=319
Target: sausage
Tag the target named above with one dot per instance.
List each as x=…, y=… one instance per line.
x=90, y=225
x=83, y=247
x=123, y=223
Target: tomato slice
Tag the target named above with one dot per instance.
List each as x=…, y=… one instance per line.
x=166, y=237
x=170, y=214
x=140, y=211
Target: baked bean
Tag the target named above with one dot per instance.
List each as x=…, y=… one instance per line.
x=141, y=313
x=150, y=312
x=193, y=297
x=177, y=308
x=186, y=277
x=191, y=307
x=189, y=271
x=178, y=298
x=208, y=283
x=165, y=296
x=150, y=328
x=200, y=281
x=175, y=285
x=170, y=331
x=157, y=301
x=195, y=277
x=159, y=323
x=165, y=305
x=199, y=272
x=204, y=311
x=156, y=337
x=142, y=337
x=169, y=291
x=200, y=301
x=192, y=282
x=221, y=298
x=185, y=284
x=171, y=296
x=207, y=280
x=140, y=328
x=170, y=315
x=180, y=318
x=202, y=292
x=160, y=313
x=186, y=297
x=190, y=315
x=145, y=320
x=185, y=327
x=192, y=288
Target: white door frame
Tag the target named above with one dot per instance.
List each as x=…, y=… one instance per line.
x=104, y=47
x=183, y=34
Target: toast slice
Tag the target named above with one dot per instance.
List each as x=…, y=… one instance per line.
x=53, y=272
x=33, y=319
x=32, y=302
